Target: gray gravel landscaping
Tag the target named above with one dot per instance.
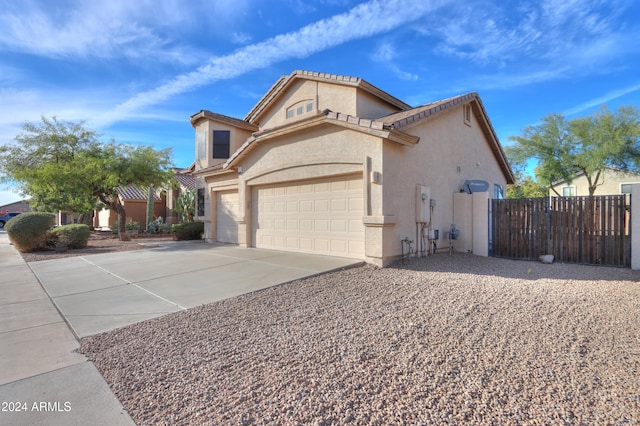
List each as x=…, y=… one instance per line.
x=455, y=339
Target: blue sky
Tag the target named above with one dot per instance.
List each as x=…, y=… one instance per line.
x=136, y=70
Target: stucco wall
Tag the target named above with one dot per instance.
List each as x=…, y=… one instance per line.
x=324, y=95
x=237, y=138
x=449, y=152
x=321, y=151
x=368, y=106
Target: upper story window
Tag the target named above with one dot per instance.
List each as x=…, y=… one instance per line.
x=221, y=143
x=300, y=108
x=568, y=191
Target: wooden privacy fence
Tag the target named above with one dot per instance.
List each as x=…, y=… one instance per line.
x=591, y=230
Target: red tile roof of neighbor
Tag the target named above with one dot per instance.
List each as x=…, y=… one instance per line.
x=132, y=192
x=186, y=180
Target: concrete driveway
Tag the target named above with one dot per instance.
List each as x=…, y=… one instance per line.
x=102, y=292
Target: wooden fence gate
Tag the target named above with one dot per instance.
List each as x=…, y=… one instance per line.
x=591, y=230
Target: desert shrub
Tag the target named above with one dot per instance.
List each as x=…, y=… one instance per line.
x=158, y=226
x=188, y=230
x=132, y=225
x=73, y=236
x=29, y=231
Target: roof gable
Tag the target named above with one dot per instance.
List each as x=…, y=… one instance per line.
x=413, y=116
x=285, y=82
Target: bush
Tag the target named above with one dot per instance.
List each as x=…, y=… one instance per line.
x=189, y=230
x=29, y=231
x=73, y=236
x=158, y=226
x=132, y=225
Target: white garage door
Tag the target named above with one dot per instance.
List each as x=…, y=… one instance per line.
x=227, y=217
x=320, y=216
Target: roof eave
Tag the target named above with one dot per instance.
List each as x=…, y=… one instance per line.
x=220, y=118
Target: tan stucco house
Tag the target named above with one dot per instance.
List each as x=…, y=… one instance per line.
x=611, y=181
x=134, y=201
x=333, y=165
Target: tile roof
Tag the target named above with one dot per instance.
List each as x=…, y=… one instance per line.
x=236, y=122
x=186, y=180
x=133, y=192
x=352, y=119
x=410, y=116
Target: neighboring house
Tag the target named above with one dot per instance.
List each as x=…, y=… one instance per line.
x=333, y=165
x=612, y=182
x=134, y=201
x=16, y=207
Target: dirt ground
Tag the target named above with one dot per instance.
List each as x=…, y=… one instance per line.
x=99, y=242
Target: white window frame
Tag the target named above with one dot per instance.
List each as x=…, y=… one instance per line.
x=627, y=183
x=575, y=191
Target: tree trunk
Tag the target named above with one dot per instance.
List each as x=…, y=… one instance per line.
x=87, y=219
x=122, y=218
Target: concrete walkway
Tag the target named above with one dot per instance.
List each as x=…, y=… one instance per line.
x=43, y=381
x=39, y=368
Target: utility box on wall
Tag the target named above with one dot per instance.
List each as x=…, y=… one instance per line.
x=423, y=204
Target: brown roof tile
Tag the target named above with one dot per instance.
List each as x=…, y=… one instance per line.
x=133, y=192
x=410, y=116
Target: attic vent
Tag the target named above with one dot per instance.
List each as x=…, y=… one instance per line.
x=467, y=114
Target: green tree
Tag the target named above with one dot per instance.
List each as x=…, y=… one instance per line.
x=526, y=187
x=117, y=165
x=63, y=166
x=588, y=145
x=43, y=162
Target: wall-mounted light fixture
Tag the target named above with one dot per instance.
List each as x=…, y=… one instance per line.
x=240, y=170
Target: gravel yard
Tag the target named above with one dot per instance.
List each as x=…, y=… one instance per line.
x=448, y=339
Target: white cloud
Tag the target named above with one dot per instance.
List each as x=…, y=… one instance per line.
x=113, y=29
x=601, y=100
x=367, y=19
x=240, y=38
x=386, y=54
x=544, y=32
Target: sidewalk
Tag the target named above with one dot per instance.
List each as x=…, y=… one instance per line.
x=43, y=380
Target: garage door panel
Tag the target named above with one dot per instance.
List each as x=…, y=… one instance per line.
x=315, y=217
x=339, y=205
x=321, y=206
x=227, y=211
x=338, y=225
